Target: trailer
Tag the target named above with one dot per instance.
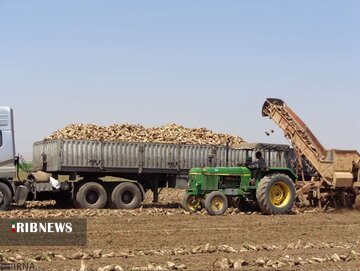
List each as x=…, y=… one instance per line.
x=99, y=174
x=142, y=166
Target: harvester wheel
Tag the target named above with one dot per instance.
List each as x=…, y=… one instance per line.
x=126, y=196
x=192, y=203
x=276, y=194
x=5, y=196
x=91, y=196
x=216, y=203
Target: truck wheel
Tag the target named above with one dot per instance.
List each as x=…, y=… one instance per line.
x=192, y=203
x=5, y=196
x=216, y=203
x=126, y=196
x=276, y=194
x=91, y=196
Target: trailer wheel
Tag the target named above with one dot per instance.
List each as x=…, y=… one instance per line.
x=276, y=194
x=216, y=203
x=126, y=196
x=5, y=196
x=91, y=196
x=192, y=203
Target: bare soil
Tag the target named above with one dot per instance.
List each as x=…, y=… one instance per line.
x=165, y=237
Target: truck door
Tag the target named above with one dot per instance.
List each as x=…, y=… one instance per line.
x=7, y=143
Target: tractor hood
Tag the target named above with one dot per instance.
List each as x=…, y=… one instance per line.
x=224, y=171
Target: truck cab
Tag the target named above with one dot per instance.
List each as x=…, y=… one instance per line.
x=7, y=156
x=7, y=143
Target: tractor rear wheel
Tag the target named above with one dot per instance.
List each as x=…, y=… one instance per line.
x=192, y=203
x=276, y=194
x=216, y=203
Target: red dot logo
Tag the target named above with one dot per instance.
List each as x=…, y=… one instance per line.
x=13, y=226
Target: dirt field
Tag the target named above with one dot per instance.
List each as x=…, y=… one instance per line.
x=164, y=237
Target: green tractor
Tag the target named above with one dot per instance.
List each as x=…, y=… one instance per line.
x=272, y=189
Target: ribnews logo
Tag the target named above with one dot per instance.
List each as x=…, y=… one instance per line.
x=43, y=232
x=41, y=227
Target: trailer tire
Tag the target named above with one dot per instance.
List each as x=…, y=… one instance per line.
x=126, y=196
x=91, y=196
x=216, y=203
x=276, y=194
x=5, y=196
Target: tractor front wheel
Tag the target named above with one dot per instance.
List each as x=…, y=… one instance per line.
x=192, y=203
x=276, y=194
x=216, y=203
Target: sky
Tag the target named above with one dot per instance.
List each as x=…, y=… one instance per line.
x=196, y=63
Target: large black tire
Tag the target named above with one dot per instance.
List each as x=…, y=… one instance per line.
x=192, y=203
x=5, y=196
x=216, y=203
x=276, y=194
x=126, y=196
x=91, y=196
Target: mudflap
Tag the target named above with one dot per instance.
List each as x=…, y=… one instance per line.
x=21, y=194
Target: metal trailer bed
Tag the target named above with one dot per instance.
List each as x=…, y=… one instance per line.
x=136, y=160
x=107, y=158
